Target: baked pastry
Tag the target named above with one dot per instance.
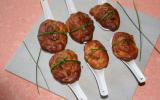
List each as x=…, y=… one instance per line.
x=52, y=36
x=96, y=55
x=80, y=26
x=65, y=67
x=124, y=46
x=106, y=15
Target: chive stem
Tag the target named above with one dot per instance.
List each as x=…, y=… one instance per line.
x=107, y=15
x=83, y=26
x=37, y=69
x=60, y=62
x=138, y=28
x=123, y=40
x=97, y=49
x=35, y=63
x=50, y=33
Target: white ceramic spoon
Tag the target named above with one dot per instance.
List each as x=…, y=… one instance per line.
x=101, y=2
x=99, y=74
x=75, y=87
x=134, y=68
x=46, y=10
x=100, y=78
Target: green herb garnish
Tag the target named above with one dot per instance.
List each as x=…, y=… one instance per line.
x=50, y=33
x=138, y=28
x=39, y=54
x=35, y=63
x=122, y=40
x=62, y=61
x=83, y=26
x=108, y=14
x=97, y=49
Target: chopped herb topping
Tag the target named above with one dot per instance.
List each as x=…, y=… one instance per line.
x=108, y=14
x=83, y=27
x=97, y=49
x=62, y=61
x=122, y=40
x=50, y=33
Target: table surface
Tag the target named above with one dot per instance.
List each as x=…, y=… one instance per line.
x=16, y=20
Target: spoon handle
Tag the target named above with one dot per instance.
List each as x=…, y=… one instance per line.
x=71, y=7
x=75, y=87
x=46, y=9
x=99, y=75
x=101, y=1
x=136, y=71
x=101, y=82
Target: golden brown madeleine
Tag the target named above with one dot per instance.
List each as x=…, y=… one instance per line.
x=106, y=15
x=52, y=36
x=80, y=26
x=96, y=55
x=65, y=67
x=124, y=46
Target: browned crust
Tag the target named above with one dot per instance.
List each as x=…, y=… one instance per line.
x=75, y=21
x=54, y=42
x=97, y=59
x=69, y=72
x=124, y=47
x=112, y=23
